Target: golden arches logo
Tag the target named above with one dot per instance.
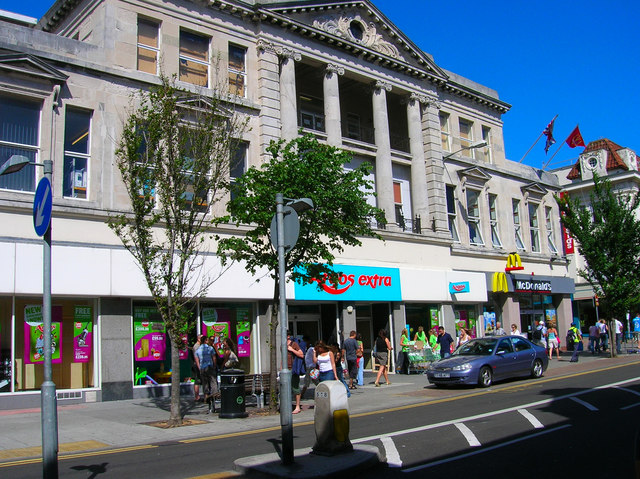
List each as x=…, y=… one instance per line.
x=514, y=262
x=499, y=283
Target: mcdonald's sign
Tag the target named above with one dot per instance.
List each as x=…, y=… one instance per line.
x=514, y=263
x=499, y=283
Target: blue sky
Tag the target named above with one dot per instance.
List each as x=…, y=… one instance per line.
x=577, y=60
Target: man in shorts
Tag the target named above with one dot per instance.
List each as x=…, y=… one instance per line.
x=350, y=353
x=295, y=363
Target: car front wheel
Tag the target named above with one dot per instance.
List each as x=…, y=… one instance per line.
x=536, y=369
x=486, y=377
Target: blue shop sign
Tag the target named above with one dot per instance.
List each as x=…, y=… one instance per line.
x=459, y=287
x=356, y=283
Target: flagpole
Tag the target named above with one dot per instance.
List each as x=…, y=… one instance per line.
x=552, y=156
x=534, y=144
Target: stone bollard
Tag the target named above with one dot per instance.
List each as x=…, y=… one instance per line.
x=331, y=419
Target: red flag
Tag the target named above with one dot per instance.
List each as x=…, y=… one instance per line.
x=575, y=138
x=548, y=132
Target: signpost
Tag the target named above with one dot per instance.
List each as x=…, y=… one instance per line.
x=42, y=203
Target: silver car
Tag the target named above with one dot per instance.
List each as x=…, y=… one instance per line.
x=485, y=360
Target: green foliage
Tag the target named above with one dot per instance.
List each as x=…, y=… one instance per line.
x=607, y=232
x=302, y=168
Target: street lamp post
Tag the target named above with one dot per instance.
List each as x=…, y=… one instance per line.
x=48, y=398
x=286, y=238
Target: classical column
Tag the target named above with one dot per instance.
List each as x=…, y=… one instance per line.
x=331, y=91
x=384, y=174
x=288, y=107
x=418, y=168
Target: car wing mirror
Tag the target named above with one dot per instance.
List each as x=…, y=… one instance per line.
x=500, y=353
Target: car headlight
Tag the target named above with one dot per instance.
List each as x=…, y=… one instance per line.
x=462, y=367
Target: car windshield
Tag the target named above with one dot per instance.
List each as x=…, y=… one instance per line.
x=477, y=347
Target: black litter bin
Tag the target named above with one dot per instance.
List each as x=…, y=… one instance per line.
x=232, y=394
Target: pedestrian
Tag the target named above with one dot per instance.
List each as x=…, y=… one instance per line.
x=309, y=365
x=514, y=330
x=552, y=340
x=604, y=335
x=445, y=341
x=403, y=355
x=360, y=356
x=574, y=337
x=295, y=363
x=205, y=359
x=463, y=338
x=619, y=329
x=194, y=368
x=421, y=336
x=433, y=342
x=635, y=322
x=383, y=348
x=350, y=351
x=340, y=370
x=230, y=358
x=499, y=331
x=326, y=361
x=594, y=339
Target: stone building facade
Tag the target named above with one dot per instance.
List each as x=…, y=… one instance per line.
x=455, y=206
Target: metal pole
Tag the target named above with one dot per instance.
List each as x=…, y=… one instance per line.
x=286, y=416
x=48, y=388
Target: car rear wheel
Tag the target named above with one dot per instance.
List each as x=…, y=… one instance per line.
x=485, y=377
x=536, y=369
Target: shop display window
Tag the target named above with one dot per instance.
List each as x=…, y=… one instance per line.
x=73, y=343
x=6, y=365
x=466, y=318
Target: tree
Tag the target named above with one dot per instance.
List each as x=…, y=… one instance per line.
x=607, y=231
x=174, y=157
x=341, y=216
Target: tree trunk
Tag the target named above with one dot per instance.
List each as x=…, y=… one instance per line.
x=175, y=419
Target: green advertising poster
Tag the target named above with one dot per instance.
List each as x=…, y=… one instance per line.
x=243, y=332
x=149, y=336
x=34, y=336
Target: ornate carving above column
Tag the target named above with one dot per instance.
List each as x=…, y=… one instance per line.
x=333, y=68
x=379, y=85
x=283, y=52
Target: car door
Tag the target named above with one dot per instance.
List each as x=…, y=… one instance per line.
x=505, y=364
x=524, y=355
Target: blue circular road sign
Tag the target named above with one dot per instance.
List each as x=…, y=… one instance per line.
x=42, y=204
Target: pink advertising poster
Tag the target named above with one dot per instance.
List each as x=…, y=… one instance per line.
x=34, y=334
x=215, y=322
x=243, y=333
x=150, y=337
x=183, y=352
x=82, y=334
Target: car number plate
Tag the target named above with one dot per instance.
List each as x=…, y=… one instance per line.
x=442, y=375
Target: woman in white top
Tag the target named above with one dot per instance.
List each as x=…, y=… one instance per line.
x=463, y=338
x=326, y=361
x=514, y=330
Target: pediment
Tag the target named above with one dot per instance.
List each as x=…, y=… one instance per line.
x=534, y=190
x=357, y=27
x=474, y=176
x=32, y=66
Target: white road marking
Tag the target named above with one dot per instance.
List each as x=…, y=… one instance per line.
x=543, y=402
x=590, y=407
x=531, y=418
x=391, y=452
x=485, y=449
x=468, y=434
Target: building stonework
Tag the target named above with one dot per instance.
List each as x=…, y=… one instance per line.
x=338, y=70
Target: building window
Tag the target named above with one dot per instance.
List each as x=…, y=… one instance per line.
x=76, y=153
x=19, y=135
x=486, y=151
x=534, y=227
x=237, y=71
x=397, y=200
x=473, y=217
x=148, y=46
x=466, y=137
x=353, y=126
x=548, y=215
x=238, y=166
x=451, y=213
x=445, y=133
x=517, y=225
x=194, y=58
x=493, y=221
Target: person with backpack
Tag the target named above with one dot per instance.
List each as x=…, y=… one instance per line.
x=573, y=338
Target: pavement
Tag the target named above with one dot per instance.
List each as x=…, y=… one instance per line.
x=134, y=423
